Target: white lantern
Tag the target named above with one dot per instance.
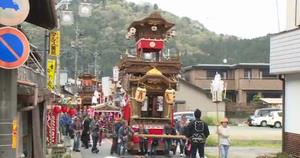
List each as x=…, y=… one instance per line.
x=140, y=94
x=67, y=17
x=85, y=10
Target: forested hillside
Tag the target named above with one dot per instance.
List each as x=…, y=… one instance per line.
x=105, y=31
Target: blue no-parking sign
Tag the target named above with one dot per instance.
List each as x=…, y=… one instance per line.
x=14, y=48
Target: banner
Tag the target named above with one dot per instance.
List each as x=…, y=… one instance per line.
x=51, y=73
x=14, y=134
x=54, y=44
x=51, y=127
x=106, y=85
x=115, y=73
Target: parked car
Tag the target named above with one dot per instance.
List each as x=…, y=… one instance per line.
x=260, y=117
x=188, y=114
x=275, y=119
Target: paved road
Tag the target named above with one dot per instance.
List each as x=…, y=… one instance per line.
x=243, y=133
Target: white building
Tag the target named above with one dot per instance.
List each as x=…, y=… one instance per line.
x=285, y=60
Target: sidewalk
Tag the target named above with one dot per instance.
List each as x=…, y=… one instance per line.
x=76, y=155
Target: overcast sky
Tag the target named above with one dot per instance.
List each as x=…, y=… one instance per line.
x=242, y=18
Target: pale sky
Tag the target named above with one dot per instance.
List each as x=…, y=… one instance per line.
x=242, y=18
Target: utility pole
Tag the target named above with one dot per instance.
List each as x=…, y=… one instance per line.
x=95, y=64
x=77, y=32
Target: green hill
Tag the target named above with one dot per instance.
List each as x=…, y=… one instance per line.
x=105, y=32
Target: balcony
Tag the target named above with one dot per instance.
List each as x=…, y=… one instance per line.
x=260, y=84
x=27, y=79
x=267, y=83
x=205, y=82
x=27, y=74
x=133, y=64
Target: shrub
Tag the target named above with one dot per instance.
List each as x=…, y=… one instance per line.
x=283, y=155
x=211, y=121
x=211, y=141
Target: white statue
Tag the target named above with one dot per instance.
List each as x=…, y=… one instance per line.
x=216, y=88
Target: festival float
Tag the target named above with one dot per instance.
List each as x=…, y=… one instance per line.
x=149, y=76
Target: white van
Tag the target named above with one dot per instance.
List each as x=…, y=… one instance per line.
x=188, y=114
x=261, y=116
x=275, y=119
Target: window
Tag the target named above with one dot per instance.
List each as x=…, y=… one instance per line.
x=250, y=96
x=265, y=73
x=247, y=74
x=211, y=73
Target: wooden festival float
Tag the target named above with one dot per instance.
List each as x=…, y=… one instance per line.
x=150, y=78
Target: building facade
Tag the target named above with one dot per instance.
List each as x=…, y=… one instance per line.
x=23, y=90
x=185, y=100
x=285, y=61
x=243, y=81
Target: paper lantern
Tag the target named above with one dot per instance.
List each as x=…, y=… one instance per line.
x=64, y=109
x=169, y=96
x=140, y=94
x=56, y=110
x=72, y=111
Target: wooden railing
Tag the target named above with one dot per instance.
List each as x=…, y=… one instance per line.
x=26, y=73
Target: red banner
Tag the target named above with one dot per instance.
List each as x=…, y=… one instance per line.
x=52, y=123
x=149, y=45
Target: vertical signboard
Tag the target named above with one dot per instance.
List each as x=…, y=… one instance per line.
x=14, y=134
x=51, y=127
x=115, y=73
x=51, y=73
x=106, y=85
x=54, y=44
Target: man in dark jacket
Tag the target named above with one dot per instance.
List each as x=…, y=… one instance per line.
x=197, y=132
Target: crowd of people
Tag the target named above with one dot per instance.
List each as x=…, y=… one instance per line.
x=85, y=129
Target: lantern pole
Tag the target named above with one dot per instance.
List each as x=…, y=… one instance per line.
x=217, y=87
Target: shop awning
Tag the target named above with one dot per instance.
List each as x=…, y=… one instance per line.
x=42, y=13
x=272, y=100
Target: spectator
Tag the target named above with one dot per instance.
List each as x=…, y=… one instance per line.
x=197, y=132
x=180, y=126
x=123, y=135
x=224, y=137
x=86, y=132
x=116, y=126
x=143, y=140
x=95, y=130
x=77, y=128
x=154, y=145
x=167, y=141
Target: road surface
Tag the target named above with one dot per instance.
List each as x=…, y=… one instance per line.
x=240, y=133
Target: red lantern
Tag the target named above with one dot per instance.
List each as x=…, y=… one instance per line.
x=64, y=109
x=72, y=111
x=56, y=110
